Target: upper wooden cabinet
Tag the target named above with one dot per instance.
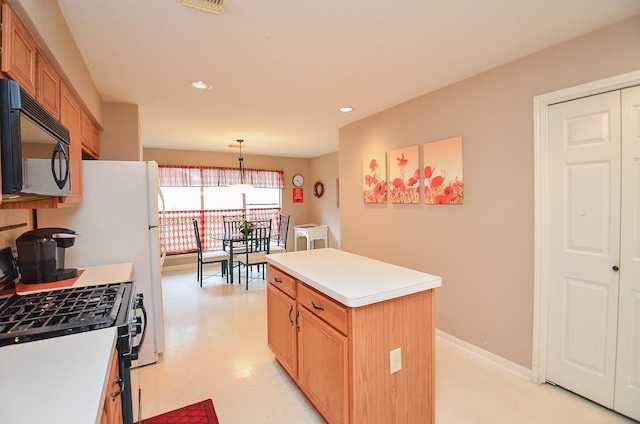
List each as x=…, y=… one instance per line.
x=23, y=61
x=48, y=92
x=71, y=117
x=19, y=51
x=90, y=138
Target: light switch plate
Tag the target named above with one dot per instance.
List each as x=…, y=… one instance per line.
x=395, y=357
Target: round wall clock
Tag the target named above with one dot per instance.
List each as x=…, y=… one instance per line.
x=297, y=180
x=318, y=189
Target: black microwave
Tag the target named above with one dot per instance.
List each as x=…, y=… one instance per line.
x=34, y=148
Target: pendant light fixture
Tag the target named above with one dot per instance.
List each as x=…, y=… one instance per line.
x=241, y=162
x=242, y=184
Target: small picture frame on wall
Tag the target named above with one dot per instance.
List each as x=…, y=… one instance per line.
x=298, y=195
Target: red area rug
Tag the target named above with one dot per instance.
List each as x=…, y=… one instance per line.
x=198, y=413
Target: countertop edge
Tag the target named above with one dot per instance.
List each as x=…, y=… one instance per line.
x=428, y=282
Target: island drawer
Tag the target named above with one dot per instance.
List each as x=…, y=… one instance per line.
x=332, y=312
x=279, y=279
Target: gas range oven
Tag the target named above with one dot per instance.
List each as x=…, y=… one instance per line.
x=60, y=312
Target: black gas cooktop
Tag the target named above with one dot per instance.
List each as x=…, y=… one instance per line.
x=53, y=313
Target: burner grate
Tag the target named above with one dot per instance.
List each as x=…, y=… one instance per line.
x=59, y=312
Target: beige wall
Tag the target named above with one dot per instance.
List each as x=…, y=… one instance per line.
x=325, y=210
x=484, y=248
x=120, y=139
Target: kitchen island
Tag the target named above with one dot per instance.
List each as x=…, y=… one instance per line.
x=355, y=334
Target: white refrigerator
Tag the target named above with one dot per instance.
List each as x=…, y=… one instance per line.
x=118, y=222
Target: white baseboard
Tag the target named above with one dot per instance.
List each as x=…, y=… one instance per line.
x=491, y=357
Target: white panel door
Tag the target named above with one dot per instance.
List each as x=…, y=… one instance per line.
x=584, y=231
x=627, y=390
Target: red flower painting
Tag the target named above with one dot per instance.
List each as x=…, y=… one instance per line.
x=443, y=182
x=405, y=175
x=374, y=183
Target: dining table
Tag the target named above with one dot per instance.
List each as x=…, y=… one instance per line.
x=231, y=241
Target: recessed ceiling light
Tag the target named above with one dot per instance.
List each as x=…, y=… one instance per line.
x=346, y=109
x=201, y=85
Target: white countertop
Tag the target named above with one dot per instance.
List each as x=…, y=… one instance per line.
x=90, y=276
x=60, y=380
x=351, y=279
x=113, y=273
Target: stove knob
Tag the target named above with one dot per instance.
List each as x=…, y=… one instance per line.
x=139, y=301
x=136, y=326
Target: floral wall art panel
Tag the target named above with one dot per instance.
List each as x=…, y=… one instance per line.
x=374, y=171
x=443, y=182
x=404, y=175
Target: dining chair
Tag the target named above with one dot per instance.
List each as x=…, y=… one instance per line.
x=209, y=256
x=231, y=224
x=258, y=246
x=281, y=245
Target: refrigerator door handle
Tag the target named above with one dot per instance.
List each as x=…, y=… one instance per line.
x=163, y=254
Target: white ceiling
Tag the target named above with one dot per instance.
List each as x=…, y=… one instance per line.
x=280, y=69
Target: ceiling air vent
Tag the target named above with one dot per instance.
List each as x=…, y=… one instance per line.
x=211, y=6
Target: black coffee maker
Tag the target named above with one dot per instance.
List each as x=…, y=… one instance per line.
x=41, y=255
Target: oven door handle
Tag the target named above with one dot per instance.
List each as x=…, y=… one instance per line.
x=136, y=349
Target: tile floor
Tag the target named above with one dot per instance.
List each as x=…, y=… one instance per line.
x=216, y=348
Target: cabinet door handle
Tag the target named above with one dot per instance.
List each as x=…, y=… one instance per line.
x=290, y=310
x=616, y=268
x=319, y=308
x=297, y=316
x=120, y=383
x=277, y=280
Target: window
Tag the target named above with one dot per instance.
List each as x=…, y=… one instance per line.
x=207, y=194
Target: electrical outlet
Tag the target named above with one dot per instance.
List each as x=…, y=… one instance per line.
x=395, y=357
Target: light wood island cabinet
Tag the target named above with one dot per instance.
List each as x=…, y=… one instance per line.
x=333, y=318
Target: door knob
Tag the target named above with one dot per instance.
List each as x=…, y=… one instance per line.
x=615, y=268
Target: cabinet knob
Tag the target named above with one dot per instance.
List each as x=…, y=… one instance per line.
x=615, y=268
